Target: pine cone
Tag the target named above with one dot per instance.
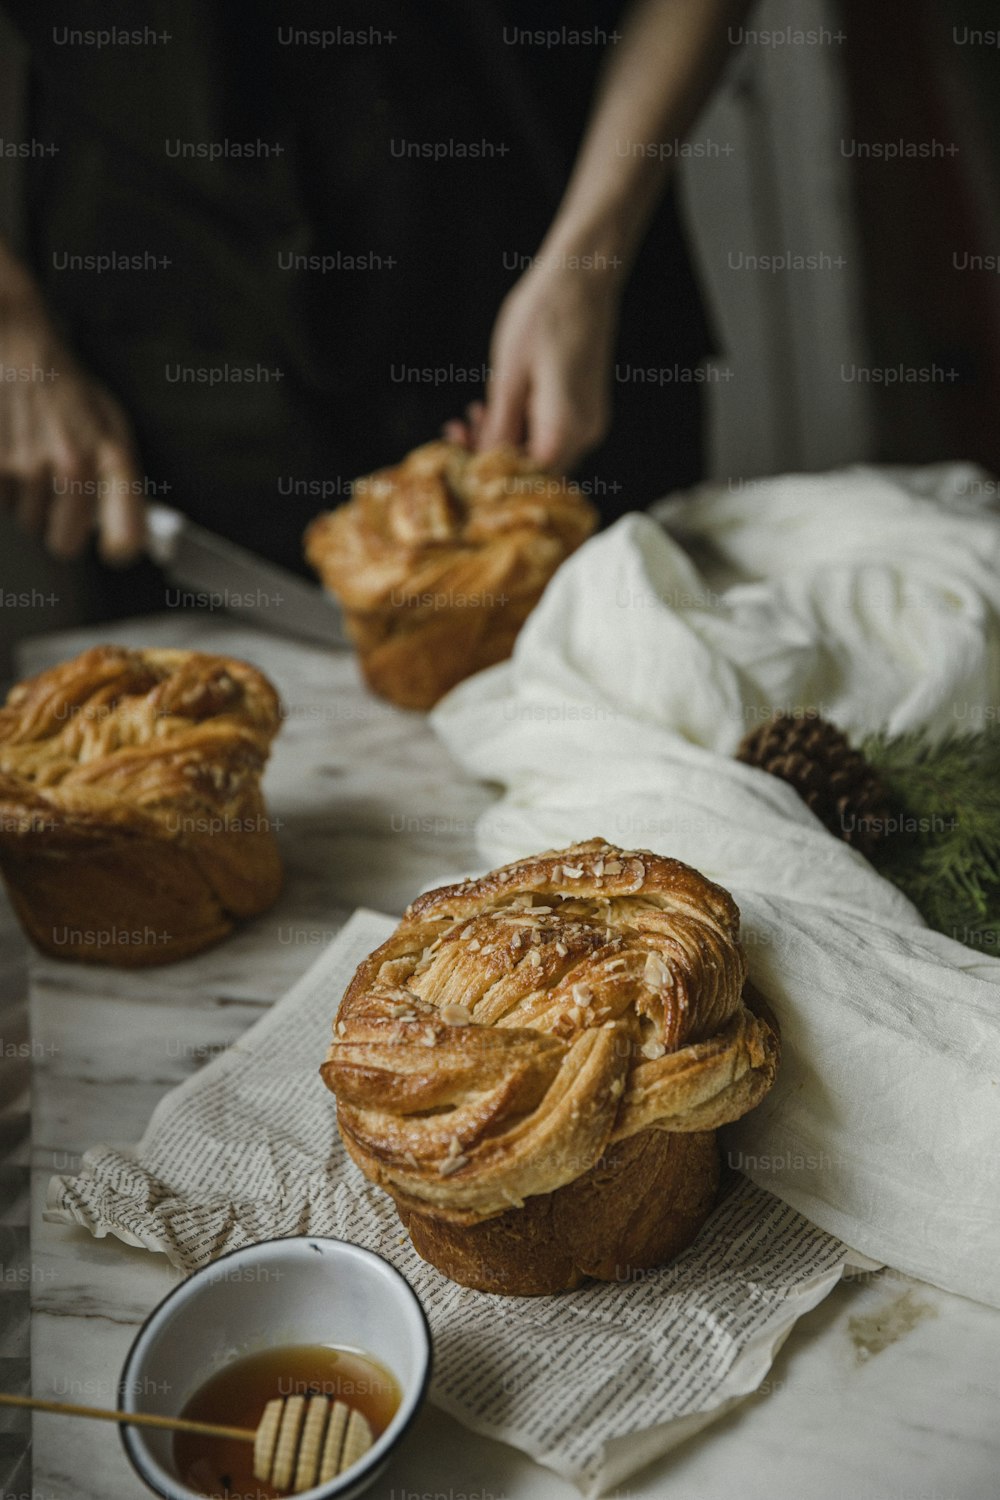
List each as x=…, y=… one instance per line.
x=835, y=781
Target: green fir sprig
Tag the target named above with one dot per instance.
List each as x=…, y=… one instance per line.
x=945, y=852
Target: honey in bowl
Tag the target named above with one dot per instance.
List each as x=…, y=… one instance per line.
x=236, y=1396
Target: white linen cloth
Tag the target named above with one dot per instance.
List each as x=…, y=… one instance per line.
x=873, y=595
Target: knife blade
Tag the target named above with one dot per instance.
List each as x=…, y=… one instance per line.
x=222, y=575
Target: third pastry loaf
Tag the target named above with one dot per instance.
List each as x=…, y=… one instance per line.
x=535, y=1063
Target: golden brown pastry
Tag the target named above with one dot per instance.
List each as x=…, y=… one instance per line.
x=439, y=561
x=132, y=826
x=535, y=1063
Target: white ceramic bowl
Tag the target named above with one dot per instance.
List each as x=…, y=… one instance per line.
x=305, y=1290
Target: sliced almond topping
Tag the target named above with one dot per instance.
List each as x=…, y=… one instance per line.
x=535, y=958
x=583, y=995
x=561, y=949
x=429, y=1039
x=616, y=1088
x=616, y=963
x=598, y=867
x=572, y=872
x=612, y=867
x=653, y=1050
x=655, y=972
x=453, y=1164
x=475, y=945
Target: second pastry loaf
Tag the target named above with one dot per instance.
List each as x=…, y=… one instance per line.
x=133, y=829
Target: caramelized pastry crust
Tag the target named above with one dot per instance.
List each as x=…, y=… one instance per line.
x=641, y=1204
x=439, y=560
x=132, y=825
x=516, y=1029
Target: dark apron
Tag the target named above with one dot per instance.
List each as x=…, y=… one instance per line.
x=259, y=389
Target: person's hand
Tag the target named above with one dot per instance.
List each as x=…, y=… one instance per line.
x=67, y=461
x=550, y=367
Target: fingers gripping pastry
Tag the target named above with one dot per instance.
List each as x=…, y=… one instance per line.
x=133, y=830
x=439, y=561
x=535, y=1063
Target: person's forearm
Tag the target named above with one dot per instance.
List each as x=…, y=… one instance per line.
x=655, y=82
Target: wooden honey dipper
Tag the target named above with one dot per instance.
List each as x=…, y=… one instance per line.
x=299, y=1442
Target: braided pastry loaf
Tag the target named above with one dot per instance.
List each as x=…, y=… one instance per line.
x=535, y=1063
x=132, y=826
x=439, y=561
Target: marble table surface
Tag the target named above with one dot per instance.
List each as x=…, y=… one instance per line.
x=889, y=1390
